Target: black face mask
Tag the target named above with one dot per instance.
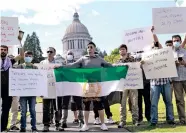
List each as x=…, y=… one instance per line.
x=3, y=54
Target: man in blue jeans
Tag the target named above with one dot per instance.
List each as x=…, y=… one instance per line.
x=161, y=85
x=28, y=56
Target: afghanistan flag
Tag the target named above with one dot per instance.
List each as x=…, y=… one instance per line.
x=89, y=82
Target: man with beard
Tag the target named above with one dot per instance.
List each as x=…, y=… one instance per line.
x=6, y=63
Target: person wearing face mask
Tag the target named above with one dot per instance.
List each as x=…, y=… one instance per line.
x=6, y=63
x=76, y=102
x=28, y=57
x=49, y=104
x=179, y=83
x=90, y=61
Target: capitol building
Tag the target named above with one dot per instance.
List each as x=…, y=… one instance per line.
x=76, y=37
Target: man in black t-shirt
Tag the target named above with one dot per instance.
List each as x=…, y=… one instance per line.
x=6, y=63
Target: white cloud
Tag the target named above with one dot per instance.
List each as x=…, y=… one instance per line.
x=95, y=13
x=46, y=12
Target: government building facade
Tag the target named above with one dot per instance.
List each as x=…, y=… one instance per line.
x=76, y=37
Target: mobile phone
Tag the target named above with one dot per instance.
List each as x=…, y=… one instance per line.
x=180, y=59
x=156, y=44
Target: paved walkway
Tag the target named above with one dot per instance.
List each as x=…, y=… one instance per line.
x=71, y=127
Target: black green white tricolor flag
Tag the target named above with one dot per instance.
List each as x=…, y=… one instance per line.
x=89, y=82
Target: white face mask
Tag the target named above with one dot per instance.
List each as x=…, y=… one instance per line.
x=69, y=57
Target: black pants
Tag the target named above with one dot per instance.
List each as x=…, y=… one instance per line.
x=107, y=109
x=146, y=95
x=6, y=105
x=98, y=105
x=76, y=105
x=48, y=105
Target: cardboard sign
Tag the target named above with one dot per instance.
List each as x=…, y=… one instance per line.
x=9, y=31
x=169, y=20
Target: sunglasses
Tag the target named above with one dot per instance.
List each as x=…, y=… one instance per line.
x=50, y=52
x=70, y=54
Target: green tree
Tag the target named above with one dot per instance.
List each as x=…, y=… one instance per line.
x=32, y=43
x=113, y=57
x=115, y=51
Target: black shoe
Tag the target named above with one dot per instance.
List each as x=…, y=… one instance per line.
x=152, y=124
x=76, y=121
x=64, y=125
x=46, y=129
x=171, y=123
x=182, y=123
x=14, y=128
x=23, y=130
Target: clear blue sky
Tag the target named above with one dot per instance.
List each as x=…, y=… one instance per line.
x=105, y=20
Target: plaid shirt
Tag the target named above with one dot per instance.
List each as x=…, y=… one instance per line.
x=127, y=60
x=160, y=81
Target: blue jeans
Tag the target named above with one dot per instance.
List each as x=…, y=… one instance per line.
x=32, y=103
x=165, y=90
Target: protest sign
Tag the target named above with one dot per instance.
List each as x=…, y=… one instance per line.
x=159, y=64
x=9, y=31
x=138, y=39
x=50, y=79
x=134, y=77
x=27, y=82
x=169, y=20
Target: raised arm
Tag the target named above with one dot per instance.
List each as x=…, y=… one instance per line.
x=184, y=42
x=20, y=56
x=155, y=38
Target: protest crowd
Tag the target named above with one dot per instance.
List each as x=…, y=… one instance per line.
x=58, y=107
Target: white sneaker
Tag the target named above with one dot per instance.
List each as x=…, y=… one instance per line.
x=110, y=121
x=84, y=128
x=104, y=127
x=97, y=121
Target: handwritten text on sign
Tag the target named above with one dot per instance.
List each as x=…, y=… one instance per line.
x=9, y=31
x=169, y=20
x=51, y=79
x=27, y=82
x=138, y=39
x=134, y=78
x=159, y=64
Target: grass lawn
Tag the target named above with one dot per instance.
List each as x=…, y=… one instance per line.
x=161, y=127
x=39, y=100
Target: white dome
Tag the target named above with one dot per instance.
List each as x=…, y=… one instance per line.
x=76, y=27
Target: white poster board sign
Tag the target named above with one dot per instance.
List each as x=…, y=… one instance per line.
x=169, y=20
x=138, y=39
x=50, y=79
x=9, y=31
x=27, y=82
x=159, y=64
x=134, y=77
